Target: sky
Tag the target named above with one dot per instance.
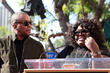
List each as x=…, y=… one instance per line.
x=14, y=5
x=48, y=4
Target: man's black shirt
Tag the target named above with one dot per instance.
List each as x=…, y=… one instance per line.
x=19, y=49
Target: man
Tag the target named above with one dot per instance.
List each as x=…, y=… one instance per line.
x=23, y=47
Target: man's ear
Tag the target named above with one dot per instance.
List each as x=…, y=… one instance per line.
x=15, y=31
x=14, y=26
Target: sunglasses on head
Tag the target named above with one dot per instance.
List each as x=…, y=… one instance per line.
x=83, y=31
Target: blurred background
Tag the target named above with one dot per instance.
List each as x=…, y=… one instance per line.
x=52, y=19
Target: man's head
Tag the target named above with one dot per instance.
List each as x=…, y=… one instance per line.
x=21, y=23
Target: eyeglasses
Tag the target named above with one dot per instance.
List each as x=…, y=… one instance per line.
x=82, y=32
x=26, y=23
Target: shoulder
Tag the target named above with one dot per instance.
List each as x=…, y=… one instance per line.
x=33, y=42
x=31, y=39
x=5, y=41
x=66, y=51
x=69, y=47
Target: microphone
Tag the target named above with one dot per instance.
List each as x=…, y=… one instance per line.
x=40, y=59
x=42, y=54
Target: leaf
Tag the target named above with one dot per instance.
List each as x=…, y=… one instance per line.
x=65, y=9
x=21, y=2
x=4, y=31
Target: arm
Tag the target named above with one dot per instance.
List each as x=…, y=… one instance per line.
x=66, y=51
x=96, y=53
x=93, y=47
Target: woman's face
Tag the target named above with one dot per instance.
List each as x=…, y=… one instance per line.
x=81, y=35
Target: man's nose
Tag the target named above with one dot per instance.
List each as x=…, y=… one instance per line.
x=18, y=25
x=80, y=33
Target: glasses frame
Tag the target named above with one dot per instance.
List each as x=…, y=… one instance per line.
x=81, y=32
x=26, y=23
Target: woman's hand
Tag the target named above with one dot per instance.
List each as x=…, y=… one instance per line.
x=91, y=44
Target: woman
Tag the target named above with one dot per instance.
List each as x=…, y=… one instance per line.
x=87, y=41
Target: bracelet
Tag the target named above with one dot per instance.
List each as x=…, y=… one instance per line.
x=96, y=53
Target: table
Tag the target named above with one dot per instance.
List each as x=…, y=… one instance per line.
x=66, y=71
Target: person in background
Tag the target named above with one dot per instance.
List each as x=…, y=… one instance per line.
x=87, y=41
x=14, y=51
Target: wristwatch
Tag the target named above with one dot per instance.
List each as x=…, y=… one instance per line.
x=96, y=53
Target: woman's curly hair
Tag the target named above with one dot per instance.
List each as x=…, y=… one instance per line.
x=91, y=26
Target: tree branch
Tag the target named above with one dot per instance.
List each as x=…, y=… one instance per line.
x=57, y=34
x=82, y=3
x=97, y=8
x=92, y=4
x=52, y=15
x=59, y=4
x=98, y=12
x=100, y=3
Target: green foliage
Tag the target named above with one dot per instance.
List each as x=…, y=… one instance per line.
x=43, y=24
x=42, y=30
x=4, y=31
x=59, y=42
x=21, y=2
x=108, y=45
x=65, y=9
x=106, y=11
x=75, y=6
